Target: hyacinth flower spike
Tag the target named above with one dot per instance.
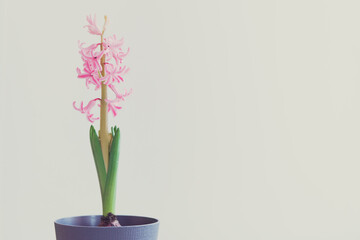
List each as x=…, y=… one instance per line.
x=103, y=67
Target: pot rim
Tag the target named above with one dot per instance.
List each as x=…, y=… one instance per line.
x=156, y=221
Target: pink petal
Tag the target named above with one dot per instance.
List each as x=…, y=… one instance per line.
x=92, y=28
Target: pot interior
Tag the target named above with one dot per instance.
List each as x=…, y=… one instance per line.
x=94, y=221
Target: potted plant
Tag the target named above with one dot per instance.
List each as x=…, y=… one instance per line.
x=104, y=69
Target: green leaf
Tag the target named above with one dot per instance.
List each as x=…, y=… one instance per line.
x=111, y=179
x=98, y=158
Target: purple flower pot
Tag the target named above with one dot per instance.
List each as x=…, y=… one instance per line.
x=86, y=228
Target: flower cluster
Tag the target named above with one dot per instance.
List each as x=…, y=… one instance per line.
x=108, y=72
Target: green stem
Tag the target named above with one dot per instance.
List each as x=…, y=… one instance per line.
x=111, y=179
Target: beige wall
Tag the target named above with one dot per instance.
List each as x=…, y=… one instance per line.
x=244, y=122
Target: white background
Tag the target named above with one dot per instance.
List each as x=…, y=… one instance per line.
x=243, y=124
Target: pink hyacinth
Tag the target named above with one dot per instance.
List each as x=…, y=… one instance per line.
x=113, y=48
x=90, y=56
x=87, y=109
x=113, y=44
x=92, y=28
x=113, y=73
x=114, y=70
x=91, y=74
x=87, y=51
x=119, y=96
x=113, y=105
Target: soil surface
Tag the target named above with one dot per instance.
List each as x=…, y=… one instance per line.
x=109, y=220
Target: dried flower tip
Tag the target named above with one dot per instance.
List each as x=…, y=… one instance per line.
x=105, y=24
